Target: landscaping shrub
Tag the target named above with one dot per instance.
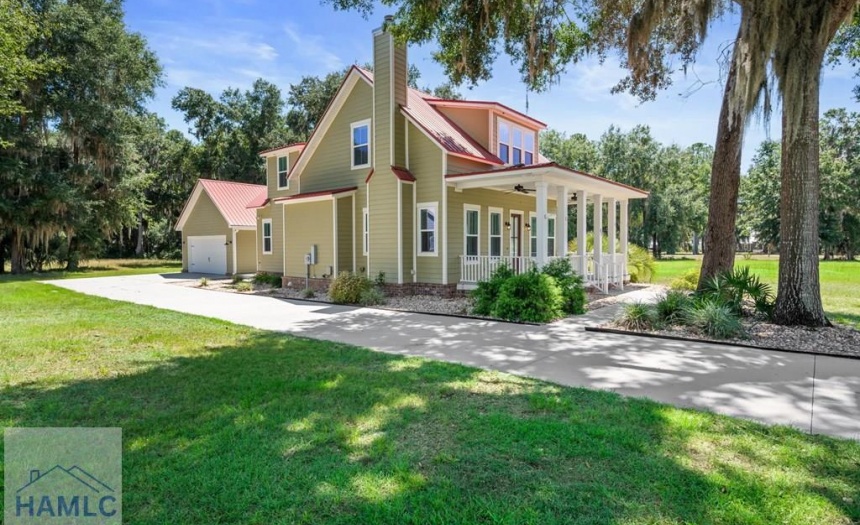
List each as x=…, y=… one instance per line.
x=487, y=292
x=237, y=279
x=572, y=290
x=347, y=288
x=380, y=279
x=243, y=286
x=371, y=297
x=308, y=293
x=637, y=316
x=670, y=307
x=640, y=264
x=687, y=282
x=267, y=279
x=714, y=318
x=531, y=297
x=203, y=282
x=733, y=287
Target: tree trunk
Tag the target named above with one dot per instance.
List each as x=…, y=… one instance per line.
x=725, y=183
x=138, y=250
x=2, y=254
x=16, y=252
x=798, y=300
x=696, y=243
x=73, y=260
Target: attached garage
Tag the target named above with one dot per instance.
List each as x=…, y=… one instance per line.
x=218, y=229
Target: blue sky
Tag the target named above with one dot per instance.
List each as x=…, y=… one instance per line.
x=215, y=44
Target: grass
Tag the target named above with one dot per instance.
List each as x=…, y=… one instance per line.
x=225, y=424
x=101, y=268
x=840, y=281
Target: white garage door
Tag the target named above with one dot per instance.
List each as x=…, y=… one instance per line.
x=207, y=254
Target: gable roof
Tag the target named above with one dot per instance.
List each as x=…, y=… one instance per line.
x=440, y=128
x=230, y=198
x=497, y=107
x=286, y=147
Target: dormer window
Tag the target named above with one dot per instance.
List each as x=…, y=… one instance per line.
x=516, y=144
x=360, y=152
x=283, y=172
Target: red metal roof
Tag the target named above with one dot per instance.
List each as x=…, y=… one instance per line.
x=434, y=101
x=403, y=174
x=449, y=135
x=311, y=194
x=232, y=200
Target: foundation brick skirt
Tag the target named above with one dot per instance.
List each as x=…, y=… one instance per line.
x=390, y=289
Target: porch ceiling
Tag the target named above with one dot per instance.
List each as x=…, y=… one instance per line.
x=558, y=176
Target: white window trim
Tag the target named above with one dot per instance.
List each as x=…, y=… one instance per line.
x=365, y=231
x=475, y=208
x=352, y=165
x=271, y=237
x=532, y=231
x=278, y=171
x=501, y=235
x=435, y=207
x=510, y=143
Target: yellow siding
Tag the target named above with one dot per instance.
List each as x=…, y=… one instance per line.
x=205, y=219
x=383, y=224
x=274, y=262
x=408, y=230
x=425, y=163
x=308, y=224
x=344, y=234
x=485, y=199
x=272, y=176
x=382, y=102
x=475, y=122
x=461, y=165
x=246, y=251
x=329, y=167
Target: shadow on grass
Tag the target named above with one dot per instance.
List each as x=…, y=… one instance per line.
x=287, y=430
x=113, y=268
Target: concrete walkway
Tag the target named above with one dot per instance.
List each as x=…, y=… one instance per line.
x=819, y=394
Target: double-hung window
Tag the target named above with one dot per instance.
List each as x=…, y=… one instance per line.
x=471, y=229
x=550, y=236
x=495, y=244
x=427, y=227
x=267, y=236
x=283, y=172
x=366, y=231
x=516, y=144
x=360, y=137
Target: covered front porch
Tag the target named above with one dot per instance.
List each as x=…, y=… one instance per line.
x=548, y=233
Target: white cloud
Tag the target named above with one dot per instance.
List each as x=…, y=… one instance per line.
x=311, y=47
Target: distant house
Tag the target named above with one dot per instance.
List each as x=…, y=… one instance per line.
x=434, y=194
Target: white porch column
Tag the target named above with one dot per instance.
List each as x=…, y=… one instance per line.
x=561, y=222
x=613, y=228
x=542, y=197
x=581, y=232
x=624, y=234
x=598, y=228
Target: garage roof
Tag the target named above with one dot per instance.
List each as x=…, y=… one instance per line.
x=231, y=199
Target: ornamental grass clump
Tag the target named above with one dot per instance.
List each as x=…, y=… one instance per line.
x=637, y=316
x=714, y=318
x=670, y=307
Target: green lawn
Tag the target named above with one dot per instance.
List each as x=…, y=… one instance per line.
x=102, y=268
x=840, y=281
x=225, y=424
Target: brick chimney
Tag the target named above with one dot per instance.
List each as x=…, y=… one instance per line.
x=389, y=94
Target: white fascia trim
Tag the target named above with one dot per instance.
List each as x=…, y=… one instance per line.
x=320, y=198
x=327, y=120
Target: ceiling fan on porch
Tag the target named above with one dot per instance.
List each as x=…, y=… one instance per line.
x=519, y=188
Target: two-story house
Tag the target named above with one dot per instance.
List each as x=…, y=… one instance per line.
x=433, y=193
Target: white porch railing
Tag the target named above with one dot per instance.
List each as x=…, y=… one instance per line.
x=611, y=270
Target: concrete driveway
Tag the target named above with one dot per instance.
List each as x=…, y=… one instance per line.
x=818, y=394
